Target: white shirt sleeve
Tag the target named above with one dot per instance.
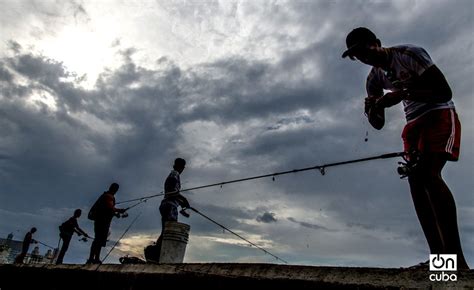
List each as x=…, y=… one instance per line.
x=416, y=59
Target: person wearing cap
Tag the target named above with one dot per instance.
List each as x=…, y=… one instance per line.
x=432, y=130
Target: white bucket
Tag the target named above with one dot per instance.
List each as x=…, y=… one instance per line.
x=175, y=239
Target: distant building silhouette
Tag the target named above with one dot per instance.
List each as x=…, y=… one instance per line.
x=10, y=248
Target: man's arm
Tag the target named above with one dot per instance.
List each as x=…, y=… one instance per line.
x=76, y=227
x=374, y=88
x=110, y=205
x=80, y=231
x=172, y=188
x=375, y=115
x=430, y=87
x=183, y=201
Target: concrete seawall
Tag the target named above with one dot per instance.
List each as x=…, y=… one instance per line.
x=220, y=276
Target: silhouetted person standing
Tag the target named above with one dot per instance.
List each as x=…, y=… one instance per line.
x=173, y=198
x=169, y=206
x=433, y=129
x=102, y=213
x=27, y=240
x=66, y=231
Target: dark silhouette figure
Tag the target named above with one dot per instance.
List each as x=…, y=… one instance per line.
x=433, y=129
x=27, y=240
x=169, y=206
x=102, y=213
x=66, y=231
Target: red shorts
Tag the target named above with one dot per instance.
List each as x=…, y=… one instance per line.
x=438, y=131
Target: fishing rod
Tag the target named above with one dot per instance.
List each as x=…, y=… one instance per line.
x=86, y=239
x=52, y=248
x=143, y=199
x=116, y=243
x=321, y=168
x=234, y=233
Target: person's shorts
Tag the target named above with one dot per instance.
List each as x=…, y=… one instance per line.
x=101, y=232
x=169, y=212
x=438, y=131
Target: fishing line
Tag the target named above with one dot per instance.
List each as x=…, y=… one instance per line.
x=234, y=233
x=143, y=200
x=116, y=243
x=44, y=244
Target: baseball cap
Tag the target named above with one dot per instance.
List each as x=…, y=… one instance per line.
x=358, y=37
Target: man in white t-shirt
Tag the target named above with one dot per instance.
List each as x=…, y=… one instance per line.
x=432, y=133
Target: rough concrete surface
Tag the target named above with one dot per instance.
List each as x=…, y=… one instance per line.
x=220, y=276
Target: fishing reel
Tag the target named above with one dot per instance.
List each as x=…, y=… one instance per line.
x=410, y=164
x=84, y=238
x=121, y=215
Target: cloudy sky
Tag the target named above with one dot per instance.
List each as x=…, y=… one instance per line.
x=94, y=92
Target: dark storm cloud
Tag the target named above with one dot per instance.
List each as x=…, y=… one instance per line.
x=14, y=46
x=47, y=75
x=50, y=130
x=5, y=75
x=308, y=225
x=267, y=217
x=301, y=108
x=359, y=225
x=40, y=69
x=238, y=89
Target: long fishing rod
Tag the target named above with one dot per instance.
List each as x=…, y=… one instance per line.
x=52, y=248
x=321, y=168
x=234, y=233
x=116, y=243
x=144, y=199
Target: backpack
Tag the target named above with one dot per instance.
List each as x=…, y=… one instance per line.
x=92, y=215
x=63, y=227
